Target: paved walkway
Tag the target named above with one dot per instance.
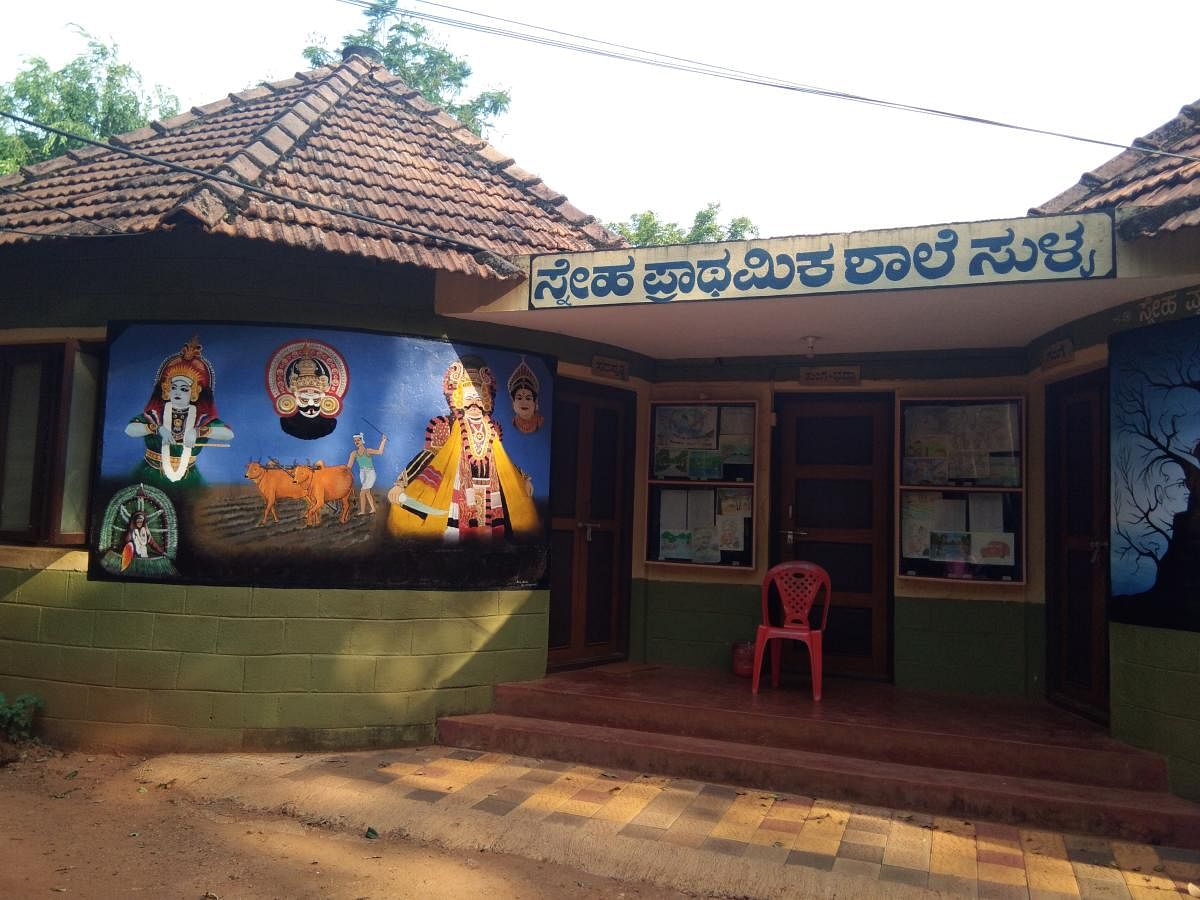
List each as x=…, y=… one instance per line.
x=699, y=837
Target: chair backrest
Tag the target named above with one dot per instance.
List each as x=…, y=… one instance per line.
x=798, y=583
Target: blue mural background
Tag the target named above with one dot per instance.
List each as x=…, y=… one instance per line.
x=395, y=383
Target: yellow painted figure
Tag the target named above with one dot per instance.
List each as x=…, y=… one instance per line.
x=462, y=486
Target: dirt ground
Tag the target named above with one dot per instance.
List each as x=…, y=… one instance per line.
x=82, y=824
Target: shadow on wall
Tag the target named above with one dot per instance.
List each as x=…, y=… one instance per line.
x=171, y=667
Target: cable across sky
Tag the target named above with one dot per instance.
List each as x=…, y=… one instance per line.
x=577, y=43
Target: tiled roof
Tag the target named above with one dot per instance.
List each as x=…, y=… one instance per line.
x=1158, y=194
x=351, y=137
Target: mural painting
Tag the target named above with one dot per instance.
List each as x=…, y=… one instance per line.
x=140, y=534
x=1154, y=544
x=428, y=490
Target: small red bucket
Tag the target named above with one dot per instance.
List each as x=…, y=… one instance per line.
x=743, y=659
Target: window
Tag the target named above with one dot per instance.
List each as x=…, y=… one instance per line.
x=48, y=395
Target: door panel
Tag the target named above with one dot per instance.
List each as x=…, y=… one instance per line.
x=591, y=507
x=1077, y=544
x=832, y=506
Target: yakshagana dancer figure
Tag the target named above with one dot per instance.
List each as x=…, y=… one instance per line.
x=462, y=485
x=179, y=418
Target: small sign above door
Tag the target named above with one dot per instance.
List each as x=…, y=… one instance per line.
x=606, y=367
x=831, y=376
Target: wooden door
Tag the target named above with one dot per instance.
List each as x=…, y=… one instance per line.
x=591, y=495
x=1077, y=543
x=832, y=502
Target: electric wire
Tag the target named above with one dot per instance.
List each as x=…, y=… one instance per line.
x=626, y=53
x=483, y=255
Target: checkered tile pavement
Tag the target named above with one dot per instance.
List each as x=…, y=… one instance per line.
x=953, y=856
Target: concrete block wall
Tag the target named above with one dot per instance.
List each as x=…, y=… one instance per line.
x=693, y=624
x=1154, y=680
x=149, y=666
x=973, y=646
x=976, y=646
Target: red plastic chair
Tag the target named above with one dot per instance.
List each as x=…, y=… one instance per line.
x=799, y=584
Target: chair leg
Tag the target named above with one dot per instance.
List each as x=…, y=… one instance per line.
x=759, y=641
x=776, y=656
x=814, y=653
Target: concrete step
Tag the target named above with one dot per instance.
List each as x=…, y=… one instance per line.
x=1143, y=815
x=1100, y=762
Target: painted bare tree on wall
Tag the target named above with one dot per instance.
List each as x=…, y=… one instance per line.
x=1155, y=413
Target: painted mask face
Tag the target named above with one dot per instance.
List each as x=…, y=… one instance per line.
x=180, y=393
x=472, y=402
x=524, y=403
x=308, y=402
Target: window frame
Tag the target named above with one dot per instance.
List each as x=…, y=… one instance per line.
x=51, y=436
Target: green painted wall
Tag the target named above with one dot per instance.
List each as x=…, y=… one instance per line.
x=168, y=666
x=691, y=624
x=976, y=646
x=1155, y=697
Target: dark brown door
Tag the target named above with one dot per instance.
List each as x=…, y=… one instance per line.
x=591, y=483
x=1077, y=543
x=832, y=501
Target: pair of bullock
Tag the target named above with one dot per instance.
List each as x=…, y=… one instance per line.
x=316, y=484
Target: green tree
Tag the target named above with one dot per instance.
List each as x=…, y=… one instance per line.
x=646, y=229
x=95, y=95
x=409, y=52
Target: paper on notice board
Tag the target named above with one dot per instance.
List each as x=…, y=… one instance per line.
x=693, y=427
x=737, y=449
x=986, y=512
x=700, y=509
x=704, y=546
x=918, y=512
x=731, y=533
x=674, y=544
x=673, y=511
x=735, y=501
x=950, y=515
x=737, y=420
x=992, y=548
x=705, y=465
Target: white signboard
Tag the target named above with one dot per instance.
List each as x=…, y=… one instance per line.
x=1050, y=248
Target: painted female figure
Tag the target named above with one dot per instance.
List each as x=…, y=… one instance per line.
x=523, y=388
x=139, y=541
x=180, y=418
x=462, y=485
x=139, y=535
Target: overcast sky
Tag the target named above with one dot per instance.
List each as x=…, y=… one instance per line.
x=618, y=137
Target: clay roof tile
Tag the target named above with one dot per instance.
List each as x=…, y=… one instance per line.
x=423, y=106
x=215, y=107
x=47, y=166
x=1160, y=192
x=184, y=118
x=253, y=93
x=349, y=137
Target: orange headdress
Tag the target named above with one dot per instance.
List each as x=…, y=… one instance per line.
x=190, y=364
